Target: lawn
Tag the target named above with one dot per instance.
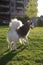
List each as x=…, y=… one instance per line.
x=30, y=54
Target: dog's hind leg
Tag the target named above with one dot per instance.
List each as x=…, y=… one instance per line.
x=14, y=46
x=9, y=44
x=22, y=41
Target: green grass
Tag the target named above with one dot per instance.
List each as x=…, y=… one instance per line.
x=30, y=54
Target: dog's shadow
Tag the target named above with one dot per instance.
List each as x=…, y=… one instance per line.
x=8, y=56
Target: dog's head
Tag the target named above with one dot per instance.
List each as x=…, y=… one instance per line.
x=30, y=24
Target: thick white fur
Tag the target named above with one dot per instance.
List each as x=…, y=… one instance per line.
x=15, y=24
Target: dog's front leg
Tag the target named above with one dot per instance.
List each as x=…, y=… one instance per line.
x=26, y=39
x=20, y=40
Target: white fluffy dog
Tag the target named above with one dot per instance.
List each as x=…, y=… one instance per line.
x=12, y=36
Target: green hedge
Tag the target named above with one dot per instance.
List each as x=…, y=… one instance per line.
x=40, y=23
x=23, y=19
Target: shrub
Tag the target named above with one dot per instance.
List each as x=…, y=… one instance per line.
x=40, y=22
x=23, y=19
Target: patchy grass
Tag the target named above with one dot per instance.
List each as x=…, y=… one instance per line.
x=30, y=54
